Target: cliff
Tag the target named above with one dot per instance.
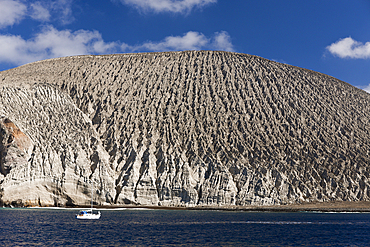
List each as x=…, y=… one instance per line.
x=196, y=128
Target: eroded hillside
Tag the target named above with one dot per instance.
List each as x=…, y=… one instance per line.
x=182, y=128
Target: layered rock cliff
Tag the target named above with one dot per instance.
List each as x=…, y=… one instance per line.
x=180, y=129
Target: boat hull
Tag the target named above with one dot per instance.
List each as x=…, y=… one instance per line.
x=88, y=215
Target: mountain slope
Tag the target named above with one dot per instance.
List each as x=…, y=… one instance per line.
x=184, y=128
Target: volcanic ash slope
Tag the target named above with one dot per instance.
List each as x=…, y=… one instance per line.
x=197, y=128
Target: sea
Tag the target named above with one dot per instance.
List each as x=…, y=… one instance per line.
x=140, y=227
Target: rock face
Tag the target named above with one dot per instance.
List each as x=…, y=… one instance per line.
x=180, y=129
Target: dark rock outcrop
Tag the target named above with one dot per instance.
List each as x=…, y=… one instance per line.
x=181, y=129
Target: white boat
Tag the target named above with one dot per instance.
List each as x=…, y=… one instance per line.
x=89, y=214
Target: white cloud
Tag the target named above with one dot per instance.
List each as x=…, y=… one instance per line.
x=14, y=11
x=11, y=12
x=13, y=50
x=65, y=43
x=189, y=41
x=175, y=6
x=39, y=12
x=350, y=48
x=222, y=41
x=50, y=43
x=367, y=89
x=62, y=10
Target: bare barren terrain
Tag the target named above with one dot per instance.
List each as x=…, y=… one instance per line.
x=197, y=128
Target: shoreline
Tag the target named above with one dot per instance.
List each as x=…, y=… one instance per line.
x=335, y=207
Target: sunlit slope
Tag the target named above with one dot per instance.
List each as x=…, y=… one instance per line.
x=192, y=128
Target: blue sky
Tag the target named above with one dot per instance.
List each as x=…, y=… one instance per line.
x=331, y=37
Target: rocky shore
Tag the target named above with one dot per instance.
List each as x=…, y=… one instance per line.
x=329, y=207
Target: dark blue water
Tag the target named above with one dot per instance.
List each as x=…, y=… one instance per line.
x=45, y=227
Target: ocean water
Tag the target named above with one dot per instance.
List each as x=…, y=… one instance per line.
x=58, y=227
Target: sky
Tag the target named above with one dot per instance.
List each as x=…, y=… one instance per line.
x=331, y=37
